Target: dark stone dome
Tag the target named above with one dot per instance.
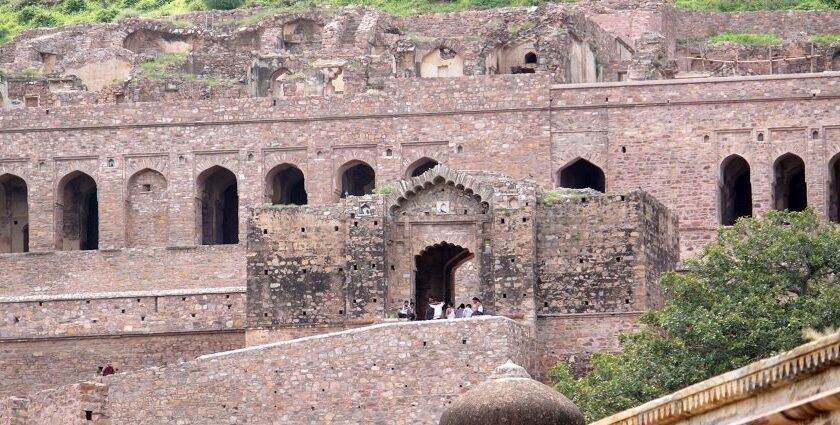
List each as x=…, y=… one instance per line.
x=511, y=397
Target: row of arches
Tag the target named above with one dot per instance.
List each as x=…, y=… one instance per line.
x=217, y=199
x=147, y=200
x=789, y=187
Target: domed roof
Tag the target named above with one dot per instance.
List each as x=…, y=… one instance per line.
x=511, y=397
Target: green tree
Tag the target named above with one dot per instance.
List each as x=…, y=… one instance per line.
x=750, y=294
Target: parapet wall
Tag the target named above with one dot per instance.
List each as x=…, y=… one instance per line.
x=121, y=314
x=406, y=371
x=67, y=339
x=87, y=273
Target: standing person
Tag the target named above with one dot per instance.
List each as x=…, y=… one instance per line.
x=430, y=310
x=450, y=312
x=478, y=308
x=405, y=311
x=438, y=310
x=459, y=312
x=468, y=311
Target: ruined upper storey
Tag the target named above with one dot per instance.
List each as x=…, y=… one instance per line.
x=354, y=50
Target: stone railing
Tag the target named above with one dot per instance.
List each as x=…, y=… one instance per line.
x=773, y=372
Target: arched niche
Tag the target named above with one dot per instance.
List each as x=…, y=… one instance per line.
x=420, y=166
x=147, y=209
x=356, y=178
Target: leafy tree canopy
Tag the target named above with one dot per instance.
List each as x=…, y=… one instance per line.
x=749, y=295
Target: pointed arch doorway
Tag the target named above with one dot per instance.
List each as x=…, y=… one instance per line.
x=437, y=275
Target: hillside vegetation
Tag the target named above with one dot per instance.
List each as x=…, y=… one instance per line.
x=20, y=15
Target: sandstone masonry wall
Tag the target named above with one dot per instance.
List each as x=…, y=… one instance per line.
x=406, y=372
x=671, y=137
x=112, y=271
x=38, y=363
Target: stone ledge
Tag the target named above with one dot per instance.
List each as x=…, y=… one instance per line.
x=129, y=294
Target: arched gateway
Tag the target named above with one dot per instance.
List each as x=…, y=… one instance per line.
x=454, y=236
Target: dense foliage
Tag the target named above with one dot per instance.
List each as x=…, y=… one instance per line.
x=19, y=15
x=749, y=295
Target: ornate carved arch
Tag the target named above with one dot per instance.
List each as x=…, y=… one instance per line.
x=439, y=174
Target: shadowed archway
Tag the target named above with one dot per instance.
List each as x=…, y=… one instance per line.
x=435, y=276
x=420, y=166
x=77, y=214
x=790, y=191
x=14, y=214
x=218, y=217
x=735, y=190
x=582, y=174
x=286, y=185
x=356, y=178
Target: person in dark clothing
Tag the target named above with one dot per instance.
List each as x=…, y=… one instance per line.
x=109, y=370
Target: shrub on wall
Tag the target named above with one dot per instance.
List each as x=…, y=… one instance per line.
x=223, y=4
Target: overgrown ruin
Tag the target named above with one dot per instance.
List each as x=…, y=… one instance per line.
x=230, y=207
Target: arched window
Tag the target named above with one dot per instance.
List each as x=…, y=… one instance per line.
x=218, y=221
x=834, y=189
x=14, y=214
x=147, y=209
x=420, y=166
x=77, y=213
x=735, y=190
x=790, y=192
x=582, y=174
x=356, y=178
x=285, y=185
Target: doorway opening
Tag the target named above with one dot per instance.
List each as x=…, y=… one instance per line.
x=790, y=191
x=435, y=277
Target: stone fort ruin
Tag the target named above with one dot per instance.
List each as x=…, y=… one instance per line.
x=230, y=206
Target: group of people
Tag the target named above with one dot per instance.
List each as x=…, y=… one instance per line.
x=442, y=309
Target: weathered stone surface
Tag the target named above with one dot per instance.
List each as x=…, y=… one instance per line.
x=510, y=396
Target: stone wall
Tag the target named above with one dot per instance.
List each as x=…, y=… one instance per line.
x=31, y=364
x=85, y=273
x=671, y=139
x=599, y=258
x=695, y=24
x=138, y=313
x=406, y=371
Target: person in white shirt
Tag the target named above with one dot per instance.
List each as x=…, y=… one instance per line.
x=438, y=307
x=468, y=310
x=478, y=308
